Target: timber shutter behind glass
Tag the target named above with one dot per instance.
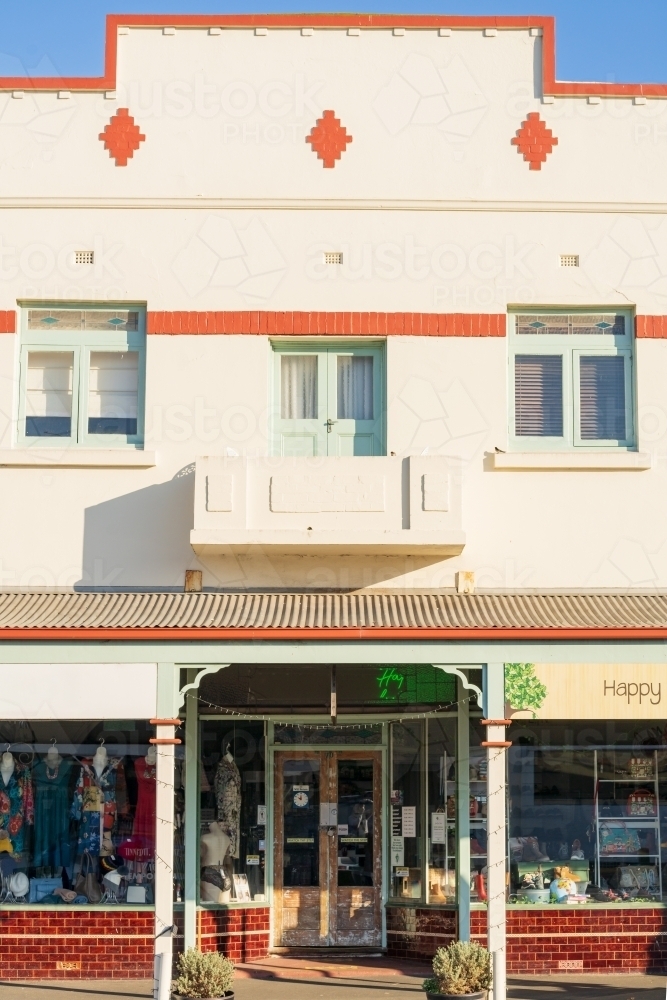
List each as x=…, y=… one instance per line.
x=538, y=391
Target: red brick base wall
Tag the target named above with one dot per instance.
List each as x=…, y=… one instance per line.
x=549, y=939
x=240, y=934
x=76, y=944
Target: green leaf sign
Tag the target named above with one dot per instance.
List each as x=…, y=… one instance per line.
x=524, y=691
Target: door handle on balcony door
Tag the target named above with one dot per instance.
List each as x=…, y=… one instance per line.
x=329, y=424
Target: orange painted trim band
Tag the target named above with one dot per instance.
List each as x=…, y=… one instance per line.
x=651, y=327
x=161, y=743
x=165, y=722
x=550, y=85
x=7, y=321
x=496, y=722
x=328, y=324
x=500, y=745
x=153, y=634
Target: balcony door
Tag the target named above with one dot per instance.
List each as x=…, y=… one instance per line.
x=327, y=849
x=329, y=401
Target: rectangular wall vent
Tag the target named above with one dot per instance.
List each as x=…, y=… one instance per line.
x=569, y=260
x=84, y=256
x=333, y=257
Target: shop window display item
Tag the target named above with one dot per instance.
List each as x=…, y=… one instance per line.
x=227, y=785
x=16, y=802
x=68, y=811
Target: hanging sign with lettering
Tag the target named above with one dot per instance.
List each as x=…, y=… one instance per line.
x=586, y=690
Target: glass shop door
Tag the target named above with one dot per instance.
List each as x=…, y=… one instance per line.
x=327, y=849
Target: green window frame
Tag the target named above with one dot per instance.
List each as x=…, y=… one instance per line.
x=571, y=380
x=338, y=403
x=82, y=372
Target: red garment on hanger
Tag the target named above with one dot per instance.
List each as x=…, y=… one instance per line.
x=144, y=818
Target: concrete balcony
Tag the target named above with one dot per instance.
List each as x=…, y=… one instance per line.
x=386, y=506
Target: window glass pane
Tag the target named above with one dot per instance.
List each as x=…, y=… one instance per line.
x=406, y=837
x=298, y=386
x=301, y=810
x=602, y=395
x=76, y=319
x=442, y=811
x=77, y=812
x=49, y=394
x=113, y=392
x=538, y=395
x=579, y=324
x=355, y=388
x=355, y=822
x=232, y=811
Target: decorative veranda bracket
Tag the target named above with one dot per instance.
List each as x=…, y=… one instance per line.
x=467, y=684
x=212, y=668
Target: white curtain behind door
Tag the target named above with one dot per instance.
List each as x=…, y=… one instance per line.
x=355, y=388
x=298, y=386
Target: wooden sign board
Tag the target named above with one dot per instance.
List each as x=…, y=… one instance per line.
x=592, y=691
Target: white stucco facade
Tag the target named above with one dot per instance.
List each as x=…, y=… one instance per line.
x=225, y=207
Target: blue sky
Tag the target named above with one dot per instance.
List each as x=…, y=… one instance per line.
x=604, y=40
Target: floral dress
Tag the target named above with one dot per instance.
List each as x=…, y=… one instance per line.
x=17, y=810
x=227, y=785
x=97, y=803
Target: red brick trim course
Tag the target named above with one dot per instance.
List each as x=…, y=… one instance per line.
x=652, y=327
x=317, y=324
x=7, y=321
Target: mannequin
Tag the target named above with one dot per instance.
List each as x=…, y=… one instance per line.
x=151, y=755
x=143, y=828
x=214, y=847
x=100, y=761
x=6, y=767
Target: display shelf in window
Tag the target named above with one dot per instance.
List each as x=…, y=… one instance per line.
x=627, y=822
x=478, y=824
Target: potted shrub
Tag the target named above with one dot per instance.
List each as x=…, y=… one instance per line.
x=461, y=970
x=203, y=976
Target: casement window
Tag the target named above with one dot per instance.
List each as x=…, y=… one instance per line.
x=329, y=400
x=82, y=376
x=571, y=380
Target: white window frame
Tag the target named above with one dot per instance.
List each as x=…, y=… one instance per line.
x=81, y=343
x=571, y=347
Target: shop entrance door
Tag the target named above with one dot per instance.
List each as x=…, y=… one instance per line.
x=327, y=848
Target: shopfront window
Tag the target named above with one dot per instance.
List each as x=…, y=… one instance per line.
x=441, y=790
x=585, y=816
x=232, y=812
x=407, y=742
x=77, y=813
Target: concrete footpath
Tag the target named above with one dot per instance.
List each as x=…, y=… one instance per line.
x=304, y=979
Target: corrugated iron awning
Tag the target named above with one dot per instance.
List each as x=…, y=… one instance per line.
x=367, y=614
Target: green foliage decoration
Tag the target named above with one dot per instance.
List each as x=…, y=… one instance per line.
x=524, y=691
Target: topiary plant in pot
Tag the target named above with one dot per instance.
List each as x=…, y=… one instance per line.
x=461, y=970
x=203, y=976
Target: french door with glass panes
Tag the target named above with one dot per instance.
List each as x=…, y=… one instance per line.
x=327, y=848
x=330, y=401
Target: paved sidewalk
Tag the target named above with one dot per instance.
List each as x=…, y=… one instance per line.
x=348, y=983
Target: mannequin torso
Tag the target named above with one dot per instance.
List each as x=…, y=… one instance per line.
x=100, y=761
x=6, y=767
x=214, y=847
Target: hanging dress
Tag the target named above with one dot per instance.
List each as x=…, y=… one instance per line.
x=143, y=827
x=52, y=814
x=17, y=807
x=97, y=803
x=227, y=785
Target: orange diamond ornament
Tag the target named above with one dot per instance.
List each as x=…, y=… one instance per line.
x=535, y=141
x=122, y=137
x=329, y=139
